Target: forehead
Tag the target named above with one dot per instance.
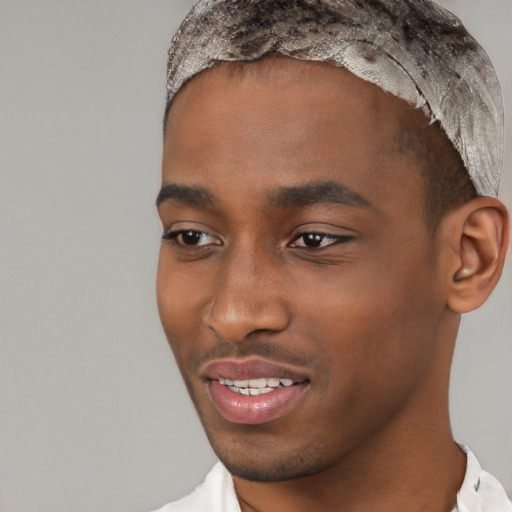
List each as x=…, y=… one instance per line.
x=288, y=117
x=275, y=74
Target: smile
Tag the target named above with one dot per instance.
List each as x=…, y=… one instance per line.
x=255, y=387
x=254, y=391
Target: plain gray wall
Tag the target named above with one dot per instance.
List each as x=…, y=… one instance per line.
x=93, y=414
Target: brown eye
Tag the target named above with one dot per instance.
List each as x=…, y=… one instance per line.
x=191, y=238
x=313, y=239
x=318, y=240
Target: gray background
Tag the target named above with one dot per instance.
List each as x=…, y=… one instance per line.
x=93, y=414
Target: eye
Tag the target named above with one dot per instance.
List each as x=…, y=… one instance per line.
x=190, y=238
x=318, y=240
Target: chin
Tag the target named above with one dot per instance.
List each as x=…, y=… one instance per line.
x=270, y=464
x=277, y=471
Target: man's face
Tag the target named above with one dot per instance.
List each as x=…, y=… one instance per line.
x=296, y=259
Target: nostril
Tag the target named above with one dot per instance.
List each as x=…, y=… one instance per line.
x=260, y=331
x=233, y=320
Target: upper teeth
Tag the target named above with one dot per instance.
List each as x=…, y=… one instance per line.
x=262, y=383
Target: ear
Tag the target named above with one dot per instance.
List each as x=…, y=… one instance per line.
x=479, y=234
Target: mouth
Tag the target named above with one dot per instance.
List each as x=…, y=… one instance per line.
x=255, y=387
x=254, y=392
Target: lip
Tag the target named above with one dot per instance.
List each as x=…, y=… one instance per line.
x=255, y=409
x=242, y=369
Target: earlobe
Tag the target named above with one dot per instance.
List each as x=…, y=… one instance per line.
x=481, y=244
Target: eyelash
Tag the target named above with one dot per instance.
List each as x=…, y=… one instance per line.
x=174, y=237
x=316, y=236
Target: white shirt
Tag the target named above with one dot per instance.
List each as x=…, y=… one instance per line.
x=480, y=492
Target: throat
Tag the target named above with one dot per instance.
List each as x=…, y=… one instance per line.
x=430, y=482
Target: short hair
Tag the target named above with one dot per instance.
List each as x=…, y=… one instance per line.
x=413, y=49
x=447, y=182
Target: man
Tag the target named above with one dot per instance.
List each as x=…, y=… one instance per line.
x=328, y=202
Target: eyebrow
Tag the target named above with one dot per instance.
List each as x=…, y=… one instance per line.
x=187, y=195
x=319, y=192
x=297, y=196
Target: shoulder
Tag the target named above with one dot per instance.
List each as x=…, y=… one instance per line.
x=215, y=494
x=494, y=497
x=480, y=491
x=193, y=502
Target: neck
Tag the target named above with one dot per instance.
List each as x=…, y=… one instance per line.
x=411, y=465
x=395, y=480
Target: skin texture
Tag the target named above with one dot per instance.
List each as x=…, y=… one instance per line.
x=369, y=317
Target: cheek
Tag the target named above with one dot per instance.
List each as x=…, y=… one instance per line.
x=369, y=321
x=375, y=351
x=180, y=299
x=372, y=338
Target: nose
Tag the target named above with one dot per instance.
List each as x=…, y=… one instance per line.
x=248, y=297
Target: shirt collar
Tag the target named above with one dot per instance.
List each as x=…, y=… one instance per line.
x=468, y=499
